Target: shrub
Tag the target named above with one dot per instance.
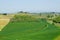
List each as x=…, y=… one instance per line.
x=24, y=18
x=57, y=20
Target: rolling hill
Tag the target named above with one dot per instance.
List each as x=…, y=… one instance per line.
x=30, y=31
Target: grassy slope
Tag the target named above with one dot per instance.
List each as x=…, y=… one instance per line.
x=29, y=31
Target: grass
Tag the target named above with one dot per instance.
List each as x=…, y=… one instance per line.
x=57, y=38
x=29, y=31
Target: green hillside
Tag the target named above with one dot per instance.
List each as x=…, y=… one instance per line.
x=29, y=31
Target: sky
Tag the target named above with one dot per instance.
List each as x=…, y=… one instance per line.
x=11, y=6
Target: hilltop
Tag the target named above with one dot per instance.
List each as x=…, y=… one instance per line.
x=29, y=27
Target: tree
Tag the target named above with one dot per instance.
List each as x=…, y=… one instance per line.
x=20, y=12
x=48, y=16
x=4, y=13
x=40, y=14
x=25, y=12
x=53, y=12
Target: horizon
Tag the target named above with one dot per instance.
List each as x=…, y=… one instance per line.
x=12, y=6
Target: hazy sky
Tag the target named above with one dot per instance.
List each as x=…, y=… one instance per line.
x=29, y=5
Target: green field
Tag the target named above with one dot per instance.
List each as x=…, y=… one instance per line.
x=30, y=31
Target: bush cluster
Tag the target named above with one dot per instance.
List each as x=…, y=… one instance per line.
x=57, y=20
x=24, y=18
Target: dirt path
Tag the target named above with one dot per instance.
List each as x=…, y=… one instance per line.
x=3, y=23
x=4, y=20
